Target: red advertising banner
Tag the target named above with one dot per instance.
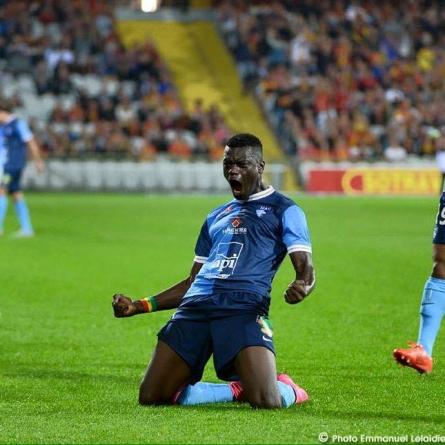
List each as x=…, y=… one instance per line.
x=375, y=181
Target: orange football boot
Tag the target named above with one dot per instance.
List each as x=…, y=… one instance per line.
x=415, y=357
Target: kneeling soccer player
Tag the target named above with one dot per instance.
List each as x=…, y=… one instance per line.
x=222, y=307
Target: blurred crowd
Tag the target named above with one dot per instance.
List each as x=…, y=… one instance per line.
x=344, y=80
x=337, y=79
x=64, y=67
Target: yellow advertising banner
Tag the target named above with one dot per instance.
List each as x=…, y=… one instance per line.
x=375, y=181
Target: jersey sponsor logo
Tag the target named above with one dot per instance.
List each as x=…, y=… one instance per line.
x=227, y=256
x=235, y=231
x=263, y=210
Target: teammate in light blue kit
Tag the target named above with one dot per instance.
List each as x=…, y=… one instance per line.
x=2, y=156
x=222, y=307
x=16, y=138
x=432, y=308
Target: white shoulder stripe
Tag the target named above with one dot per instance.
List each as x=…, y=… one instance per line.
x=200, y=259
x=299, y=248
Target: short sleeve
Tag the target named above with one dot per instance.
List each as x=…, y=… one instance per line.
x=295, y=230
x=203, y=244
x=24, y=131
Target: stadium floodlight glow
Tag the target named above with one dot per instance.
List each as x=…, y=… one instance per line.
x=149, y=5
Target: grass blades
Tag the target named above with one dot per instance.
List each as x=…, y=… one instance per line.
x=70, y=371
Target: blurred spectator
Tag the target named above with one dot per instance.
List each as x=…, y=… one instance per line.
x=440, y=157
x=394, y=151
x=59, y=53
x=179, y=149
x=60, y=82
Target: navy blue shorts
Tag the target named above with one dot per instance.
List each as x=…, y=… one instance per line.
x=439, y=228
x=11, y=180
x=196, y=340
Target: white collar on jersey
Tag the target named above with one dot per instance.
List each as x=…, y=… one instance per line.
x=258, y=195
x=11, y=118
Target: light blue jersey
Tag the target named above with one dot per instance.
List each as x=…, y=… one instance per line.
x=2, y=155
x=15, y=135
x=2, y=151
x=242, y=244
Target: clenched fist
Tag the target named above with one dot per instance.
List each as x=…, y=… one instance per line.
x=124, y=306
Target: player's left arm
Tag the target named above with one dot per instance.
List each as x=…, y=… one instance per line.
x=304, y=282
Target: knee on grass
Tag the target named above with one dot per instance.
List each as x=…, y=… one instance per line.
x=271, y=400
x=151, y=397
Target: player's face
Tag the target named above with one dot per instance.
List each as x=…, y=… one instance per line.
x=242, y=170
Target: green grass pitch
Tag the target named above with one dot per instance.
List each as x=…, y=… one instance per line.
x=70, y=371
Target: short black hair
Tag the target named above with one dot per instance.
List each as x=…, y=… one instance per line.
x=5, y=106
x=242, y=140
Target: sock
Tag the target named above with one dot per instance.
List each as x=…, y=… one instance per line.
x=432, y=309
x=201, y=392
x=21, y=210
x=3, y=209
x=288, y=397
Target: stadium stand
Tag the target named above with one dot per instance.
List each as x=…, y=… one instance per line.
x=353, y=81
x=344, y=80
x=190, y=50
x=66, y=69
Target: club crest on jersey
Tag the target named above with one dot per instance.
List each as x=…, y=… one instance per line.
x=227, y=256
x=235, y=229
x=266, y=326
x=236, y=222
x=263, y=210
x=6, y=179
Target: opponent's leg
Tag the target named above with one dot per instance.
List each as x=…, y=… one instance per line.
x=166, y=373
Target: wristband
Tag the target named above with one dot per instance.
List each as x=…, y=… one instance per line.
x=149, y=304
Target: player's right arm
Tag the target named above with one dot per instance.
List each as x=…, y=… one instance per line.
x=35, y=153
x=167, y=299
x=28, y=138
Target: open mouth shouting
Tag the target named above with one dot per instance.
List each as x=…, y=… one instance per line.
x=237, y=188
